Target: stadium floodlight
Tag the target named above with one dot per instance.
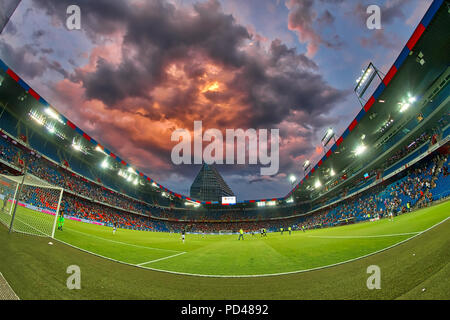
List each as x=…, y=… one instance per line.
x=328, y=136
x=306, y=165
x=99, y=149
x=261, y=204
x=290, y=200
x=52, y=114
x=332, y=173
x=318, y=184
x=192, y=204
x=364, y=81
x=136, y=181
x=131, y=170
x=51, y=128
x=360, y=149
x=76, y=146
x=36, y=116
x=271, y=203
x=405, y=104
x=292, y=178
x=104, y=164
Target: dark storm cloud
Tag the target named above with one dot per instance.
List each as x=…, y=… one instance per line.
x=302, y=18
x=20, y=58
x=268, y=86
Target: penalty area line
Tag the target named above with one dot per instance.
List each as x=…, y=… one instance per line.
x=168, y=257
x=123, y=243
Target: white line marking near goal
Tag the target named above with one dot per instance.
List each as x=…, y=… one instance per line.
x=357, y=237
x=141, y=264
x=124, y=243
x=10, y=291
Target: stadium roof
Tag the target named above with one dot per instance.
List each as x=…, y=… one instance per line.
x=405, y=76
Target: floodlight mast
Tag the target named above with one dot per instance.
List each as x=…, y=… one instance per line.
x=365, y=80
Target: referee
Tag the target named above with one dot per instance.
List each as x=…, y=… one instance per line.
x=241, y=234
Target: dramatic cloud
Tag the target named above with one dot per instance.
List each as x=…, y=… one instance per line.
x=150, y=67
x=302, y=17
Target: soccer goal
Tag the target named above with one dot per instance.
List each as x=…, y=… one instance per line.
x=29, y=205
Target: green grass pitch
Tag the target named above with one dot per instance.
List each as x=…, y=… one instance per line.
x=221, y=267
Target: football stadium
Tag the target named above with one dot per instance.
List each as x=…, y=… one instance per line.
x=377, y=196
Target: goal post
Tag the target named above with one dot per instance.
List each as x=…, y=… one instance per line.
x=35, y=206
x=8, y=192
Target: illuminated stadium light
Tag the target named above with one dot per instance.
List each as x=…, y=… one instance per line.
x=328, y=136
x=261, y=204
x=306, y=164
x=405, y=104
x=332, y=173
x=97, y=148
x=76, y=146
x=104, y=164
x=131, y=170
x=136, y=181
x=290, y=200
x=271, y=203
x=50, y=127
x=36, y=116
x=318, y=184
x=360, y=149
x=192, y=204
x=53, y=114
x=364, y=81
x=292, y=178
x=155, y=185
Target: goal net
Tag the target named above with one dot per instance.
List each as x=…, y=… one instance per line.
x=29, y=205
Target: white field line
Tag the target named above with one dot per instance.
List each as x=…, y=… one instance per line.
x=124, y=243
x=259, y=275
x=141, y=264
x=11, y=289
x=357, y=237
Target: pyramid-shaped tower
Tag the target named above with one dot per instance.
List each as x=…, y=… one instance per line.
x=209, y=185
